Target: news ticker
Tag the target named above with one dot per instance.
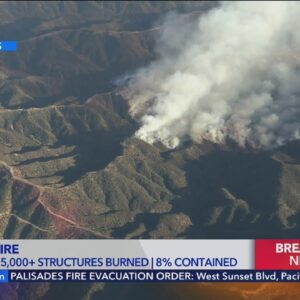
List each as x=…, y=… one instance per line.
x=150, y=260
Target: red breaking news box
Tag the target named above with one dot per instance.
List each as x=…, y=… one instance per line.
x=277, y=254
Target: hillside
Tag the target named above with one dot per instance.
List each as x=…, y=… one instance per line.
x=70, y=166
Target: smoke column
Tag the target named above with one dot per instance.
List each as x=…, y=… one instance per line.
x=234, y=73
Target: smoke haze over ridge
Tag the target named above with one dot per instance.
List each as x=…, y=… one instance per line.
x=232, y=73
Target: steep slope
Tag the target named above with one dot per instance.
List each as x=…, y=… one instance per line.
x=67, y=146
x=71, y=168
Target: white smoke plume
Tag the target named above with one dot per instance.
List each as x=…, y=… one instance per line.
x=234, y=73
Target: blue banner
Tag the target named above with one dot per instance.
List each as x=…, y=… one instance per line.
x=7, y=46
x=3, y=276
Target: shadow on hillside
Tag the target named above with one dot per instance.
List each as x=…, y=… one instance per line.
x=252, y=177
x=92, y=152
